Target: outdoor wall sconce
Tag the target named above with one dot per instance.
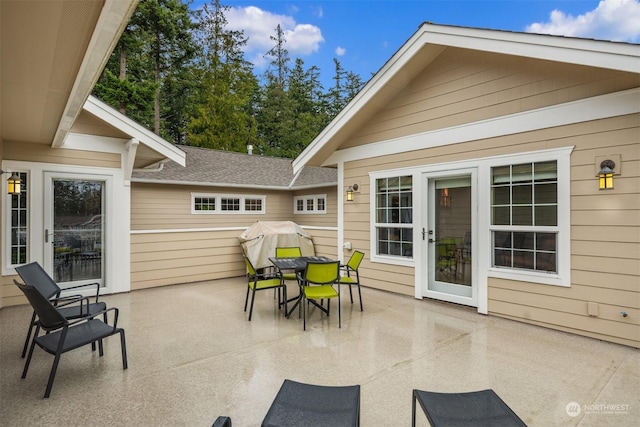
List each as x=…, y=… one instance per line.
x=605, y=175
x=350, y=191
x=13, y=183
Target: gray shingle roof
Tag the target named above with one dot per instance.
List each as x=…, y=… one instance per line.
x=215, y=167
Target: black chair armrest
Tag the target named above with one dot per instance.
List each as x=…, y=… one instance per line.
x=115, y=317
x=86, y=285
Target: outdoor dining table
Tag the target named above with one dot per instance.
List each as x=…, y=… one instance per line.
x=297, y=264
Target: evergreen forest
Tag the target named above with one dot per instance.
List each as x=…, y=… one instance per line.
x=182, y=74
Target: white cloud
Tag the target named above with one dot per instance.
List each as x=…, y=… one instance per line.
x=340, y=51
x=260, y=25
x=616, y=20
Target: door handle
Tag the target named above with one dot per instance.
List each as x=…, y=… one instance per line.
x=46, y=235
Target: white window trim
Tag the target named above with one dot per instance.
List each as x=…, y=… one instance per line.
x=373, y=238
x=219, y=196
x=561, y=155
x=563, y=256
x=8, y=266
x=315, y=210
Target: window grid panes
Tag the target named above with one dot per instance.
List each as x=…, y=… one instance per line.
x=205, y=203
x=223, y=204
x=19, y=217
x=310, y=204
x=253, y=204
x=524, y=199
x=394, y=216
x=230, y=204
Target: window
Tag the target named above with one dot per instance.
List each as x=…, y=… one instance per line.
x=223, y=204
x=19, y=231
x=524, y=216
x=394, y=216
x=310, y=204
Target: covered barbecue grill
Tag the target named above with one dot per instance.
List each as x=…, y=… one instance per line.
x=259, y=242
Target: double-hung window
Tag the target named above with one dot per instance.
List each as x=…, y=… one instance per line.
x=394, y=216
x=524, y=216
x=202, y=203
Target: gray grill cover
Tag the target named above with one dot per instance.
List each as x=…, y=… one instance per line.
x=259, y=242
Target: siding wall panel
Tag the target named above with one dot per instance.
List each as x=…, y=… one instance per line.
x=461, y=87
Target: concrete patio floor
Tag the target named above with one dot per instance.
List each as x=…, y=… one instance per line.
x=193, y=356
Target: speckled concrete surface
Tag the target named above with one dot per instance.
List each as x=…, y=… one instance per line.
x=194, y=356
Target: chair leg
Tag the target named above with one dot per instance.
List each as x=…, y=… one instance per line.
x=123, y=347
x=413, y=410
x=246, y=298
x=350, y=293
x=253, y=298
x=28, y=361
x=304, y=315
x=360, y=296
x=100, y=347
x=284, y=293
x=339, y=312
x=26, y=341
x=52, y=375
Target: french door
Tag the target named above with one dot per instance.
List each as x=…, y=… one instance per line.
x=74, y=228
x=450, y=234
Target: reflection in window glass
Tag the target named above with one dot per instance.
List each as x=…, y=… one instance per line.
x=394, y=205
x=19, y=216
x=525, y=196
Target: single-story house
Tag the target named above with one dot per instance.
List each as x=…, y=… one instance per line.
x=476, y=154
x=104, y=199
x=472, y=156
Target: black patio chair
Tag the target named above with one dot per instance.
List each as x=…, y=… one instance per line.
x=298, y=404
x=63, y=336
x=222, y=421
x=471, y=409
x=33, y=274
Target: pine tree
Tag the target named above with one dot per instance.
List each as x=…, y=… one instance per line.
x=222, y=116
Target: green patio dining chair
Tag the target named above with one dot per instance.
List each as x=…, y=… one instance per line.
x=260, y=282
x=288, y=252
x=317, y=283
x=293, y=252
x=353, y=276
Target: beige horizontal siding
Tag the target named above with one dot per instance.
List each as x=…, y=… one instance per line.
x=605, y=225
x=463, y=86
x=43, y=153
x=169, y=258
x=155, y=206
x=325, y=241
x=328, y=219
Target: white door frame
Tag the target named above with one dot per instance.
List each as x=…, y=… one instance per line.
x=117, y=211
x=427, y=255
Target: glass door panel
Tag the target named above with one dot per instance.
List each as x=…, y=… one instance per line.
x=450, y=231
x=77, y=230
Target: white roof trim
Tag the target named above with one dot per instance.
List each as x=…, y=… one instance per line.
x=595, y=108
x=594, y=53
x=134, y=130
x=111, y=23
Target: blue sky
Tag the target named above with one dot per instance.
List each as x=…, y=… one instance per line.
x=364, y=34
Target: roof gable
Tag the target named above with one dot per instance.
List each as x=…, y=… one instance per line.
x=429, y=42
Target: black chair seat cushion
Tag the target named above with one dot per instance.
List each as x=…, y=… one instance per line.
x=77, y=336
x=73, y=312
x=476, y=408
x=306, y=405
